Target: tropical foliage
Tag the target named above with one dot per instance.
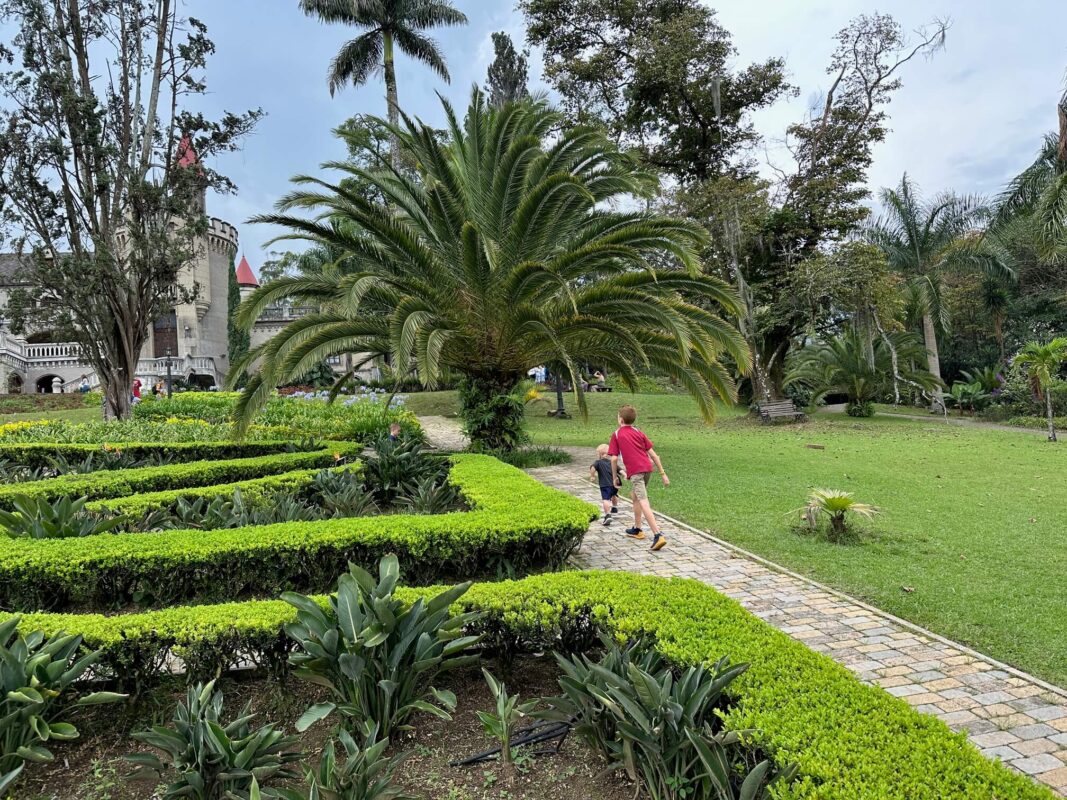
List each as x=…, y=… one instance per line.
x=844, y=366
x=503, y=253
x=1043, y=363
x=836, y=506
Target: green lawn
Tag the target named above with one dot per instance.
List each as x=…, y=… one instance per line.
x=69, y=414
x=974, y=520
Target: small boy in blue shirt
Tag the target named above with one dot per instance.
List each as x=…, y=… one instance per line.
x=600, y=471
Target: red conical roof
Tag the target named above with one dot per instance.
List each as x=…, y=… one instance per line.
x=186, y=153
x=245, y=276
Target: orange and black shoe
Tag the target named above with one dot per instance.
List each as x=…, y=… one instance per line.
x=635, y=533
x=659, y=541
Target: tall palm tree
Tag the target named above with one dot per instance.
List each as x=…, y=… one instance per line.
x=1043, y=363
x=388, y=24
x=924, y=241
x=1039, y=193
x=847, y=365
x=502, y=253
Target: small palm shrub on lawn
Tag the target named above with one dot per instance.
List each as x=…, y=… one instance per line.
x=211, y=759
x=37, y=691
x=662, y=728
x=836, y=505
x=376, y=655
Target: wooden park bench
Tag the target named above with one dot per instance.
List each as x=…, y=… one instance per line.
x=782, y=409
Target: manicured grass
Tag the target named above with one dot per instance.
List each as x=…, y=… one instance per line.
x=974, y=521
x=68, y=414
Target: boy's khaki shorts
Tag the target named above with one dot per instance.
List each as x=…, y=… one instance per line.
x=639, y=485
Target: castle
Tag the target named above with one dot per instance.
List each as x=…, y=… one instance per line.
x=192, y=338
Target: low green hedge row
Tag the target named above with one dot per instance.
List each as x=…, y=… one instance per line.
x=256, y=493
x=515, y=525
x=38, y=454
x=851, y=741
x=123, y=482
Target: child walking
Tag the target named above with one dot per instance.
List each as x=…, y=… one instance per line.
x=601, y=471
x=637, y=456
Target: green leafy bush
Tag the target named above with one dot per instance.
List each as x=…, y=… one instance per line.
x=861, y=410
x=39, y=518
x=375, y=654
x=351, y=418
x=211, y=759
x=82, y=458
x=664, y=730
x=849, y=740
x=134, y=430
x=533, y=457
x=836, y=506
x=182, y=565
x=366, y=773
x=398, y=467
x=38, y=678
x=123, y=482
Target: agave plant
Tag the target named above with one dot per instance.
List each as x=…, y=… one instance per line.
x=432, y=496
x=40, y=518
x=342, y=493
x=503, y=252
x=836, y=505
x=398, y=467
x=211, y=759
x=664, y=729
x=376, y=655
x=38, y=690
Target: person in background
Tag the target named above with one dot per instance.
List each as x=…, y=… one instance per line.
x=83, y=387
x=637, y=456
x=600, y=380
x=136, y=390
x=394, y=432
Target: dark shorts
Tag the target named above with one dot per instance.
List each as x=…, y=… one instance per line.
x=608, y=492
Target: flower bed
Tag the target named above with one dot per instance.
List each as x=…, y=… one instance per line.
x=516, y=525
x=851, y=741
x=300, y=413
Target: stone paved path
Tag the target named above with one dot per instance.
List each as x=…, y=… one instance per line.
x=1007, y=714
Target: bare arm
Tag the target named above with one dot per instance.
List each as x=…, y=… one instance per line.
x=592, y=473
x=615, y=470
x=659, y=465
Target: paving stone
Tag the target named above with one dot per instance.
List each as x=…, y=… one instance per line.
x=1008, y=715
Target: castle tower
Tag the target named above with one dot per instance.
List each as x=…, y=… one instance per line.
x=246, y=279
x=196, y=331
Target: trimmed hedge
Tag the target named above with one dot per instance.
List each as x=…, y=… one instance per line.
x=851, y=741
x=516, y=525
x=256, y=493
x=36, y=454
x=123, y=482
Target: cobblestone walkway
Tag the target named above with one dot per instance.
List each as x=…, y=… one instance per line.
x=1008, y=714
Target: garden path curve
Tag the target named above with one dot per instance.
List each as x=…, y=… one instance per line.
x=1007, y=713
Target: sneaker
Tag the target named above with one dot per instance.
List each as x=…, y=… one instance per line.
x=614, y=509
x=659, y=541
x=606, y=520
x=635, y=533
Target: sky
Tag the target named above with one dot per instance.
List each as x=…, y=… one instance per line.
x=967, y=119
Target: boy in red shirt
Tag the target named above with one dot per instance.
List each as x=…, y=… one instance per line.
x=637, y=456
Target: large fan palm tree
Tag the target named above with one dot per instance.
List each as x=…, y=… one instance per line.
x=502, y=253
x=844, y=365
x=389, y=24
x=1043, y=363
x=926, y=240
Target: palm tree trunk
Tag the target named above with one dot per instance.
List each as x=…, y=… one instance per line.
x=392, y=105
x=1048, y=412
x=933, y=360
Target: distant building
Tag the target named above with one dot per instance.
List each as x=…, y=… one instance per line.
x=192, y=337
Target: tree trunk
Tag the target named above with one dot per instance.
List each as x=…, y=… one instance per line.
x=933, y=361
x=116, y=397
x=391, y=103
x=1049, y=413
x=492, y=412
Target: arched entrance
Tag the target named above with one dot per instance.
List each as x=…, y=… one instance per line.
x=46, y=383
x=14, y=383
